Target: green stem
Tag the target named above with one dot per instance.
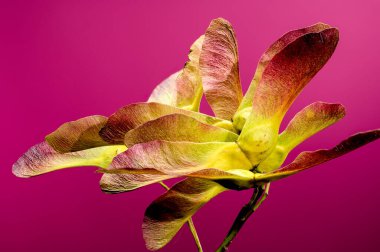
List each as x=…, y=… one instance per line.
x=195, y=235
x=164, y=186
x=259, y=195
x=190, y=223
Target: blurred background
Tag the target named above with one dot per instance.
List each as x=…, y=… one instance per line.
x=62, y=60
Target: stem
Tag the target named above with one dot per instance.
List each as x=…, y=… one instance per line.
x=164, y=186
x=259, y=195
x=195, y=235
x=190, y=223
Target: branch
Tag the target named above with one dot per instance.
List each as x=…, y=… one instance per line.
x=259, y=195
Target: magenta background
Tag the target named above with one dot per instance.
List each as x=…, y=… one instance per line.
x=62, y=60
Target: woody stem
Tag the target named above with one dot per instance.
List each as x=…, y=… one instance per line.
x=259, y=195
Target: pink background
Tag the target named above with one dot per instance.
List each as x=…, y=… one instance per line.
x=62, y=60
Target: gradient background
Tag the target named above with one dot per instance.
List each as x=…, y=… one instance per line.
x=62, y=60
